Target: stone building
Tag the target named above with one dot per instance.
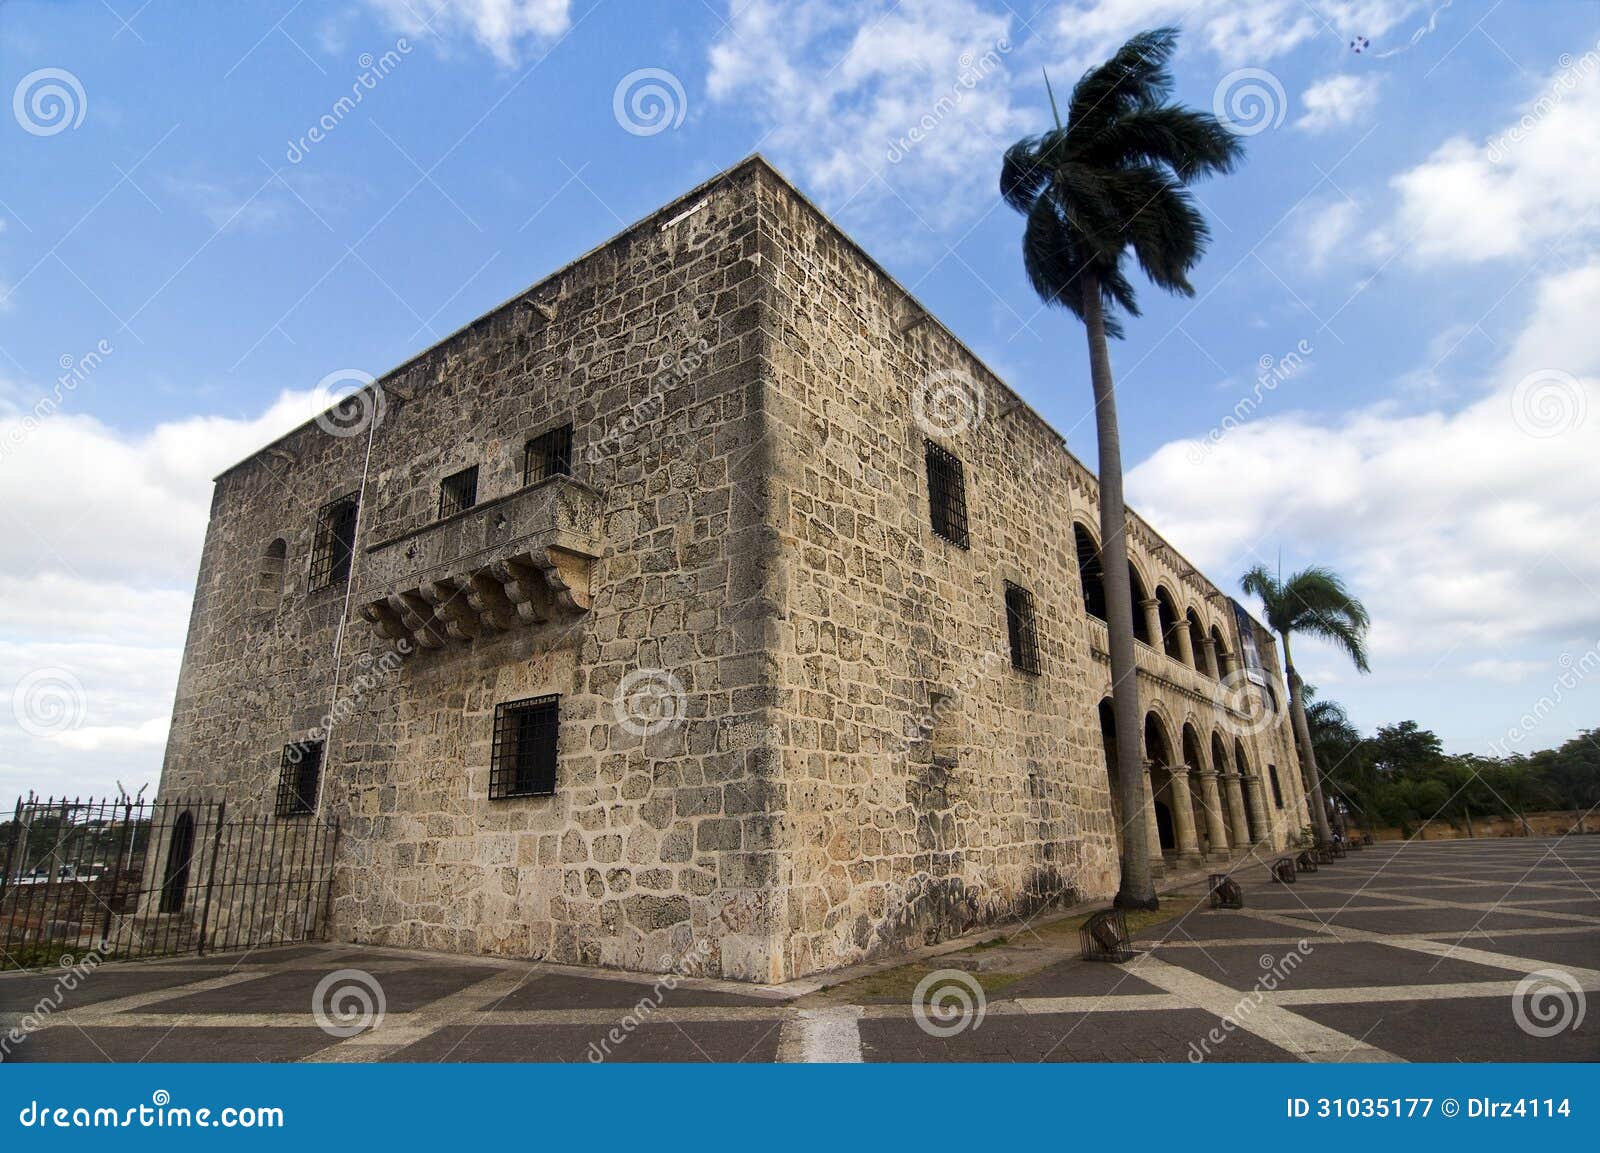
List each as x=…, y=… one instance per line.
x=706, y=607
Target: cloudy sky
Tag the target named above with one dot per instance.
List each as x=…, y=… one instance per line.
x=1392, y=365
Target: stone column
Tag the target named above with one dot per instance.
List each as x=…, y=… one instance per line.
x=1212, y=801
x=1208, y=659
x=1233, y=785
x=1185, y=642
x=1152, y=829
x=1152, y=623
x=1183, y=814
x=1224, y=665
x=1255, y=797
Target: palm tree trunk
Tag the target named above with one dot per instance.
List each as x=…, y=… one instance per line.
x=1308, y=756
x=1137, y=889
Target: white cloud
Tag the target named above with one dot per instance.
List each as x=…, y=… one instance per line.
x=1473, y=535
x=501, y=27
x=105, y=530
x=1337, y=102
x=1535, y=181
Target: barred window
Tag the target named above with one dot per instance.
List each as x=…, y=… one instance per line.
x=297, y=781
x=1020, y=627
x=524, y=762
x=947, y=494
x=458, y=492
x=548, y=454
x=335, y=543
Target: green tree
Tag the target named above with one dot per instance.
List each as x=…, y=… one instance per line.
x=1313, y=602
x=1110, y=181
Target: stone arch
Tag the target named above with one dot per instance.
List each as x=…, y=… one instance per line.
x=1090, y=572
x=1158, y=750
x=270, y=570
x=1219, y=648
x=1241, y=828
x=1197, y=643
x=1241, y=765
x=180, y=853
x=1140, y=589
x=1167, y=614
x=1108, y=746
x=1194, y=758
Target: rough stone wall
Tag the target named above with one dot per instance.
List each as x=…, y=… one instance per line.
x=655, y=852
x=932, y=787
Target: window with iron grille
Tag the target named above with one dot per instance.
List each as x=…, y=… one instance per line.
x=458, y=492
x=548, y=454
x=524, y=763
x=297, y=781
x=1020, y=627
x=947, y=494
x=335, y=543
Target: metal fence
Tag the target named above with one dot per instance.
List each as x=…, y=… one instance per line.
x=130, y=878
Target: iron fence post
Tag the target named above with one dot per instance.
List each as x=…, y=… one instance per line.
x=211, y=877
x=116, y=875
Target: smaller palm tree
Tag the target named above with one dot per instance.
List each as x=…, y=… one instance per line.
x=1314, y=602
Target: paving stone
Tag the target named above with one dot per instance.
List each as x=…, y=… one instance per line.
x=1455, y=1029
x=1151, y=1035
x=1329, y=965
x=152, y=1043
x=567, y=991
x=22, y=993
x=291, y=991
x=729, y=1041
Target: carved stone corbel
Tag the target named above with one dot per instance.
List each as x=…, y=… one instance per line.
x=417, y=616
x=568, y=577
x=488, y=599
x=385, y=620
x=450, y=606
x=524, y=588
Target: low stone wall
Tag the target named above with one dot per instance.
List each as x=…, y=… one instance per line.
x=1569, y=823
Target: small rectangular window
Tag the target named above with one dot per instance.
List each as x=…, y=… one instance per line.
x=548, y=454
x=947, y=494
x=1020, y=627
x=335, y=543
x=524, y=759
x=298, y=779
x=458, y=492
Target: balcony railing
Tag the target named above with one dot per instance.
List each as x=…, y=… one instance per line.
x=512, y=562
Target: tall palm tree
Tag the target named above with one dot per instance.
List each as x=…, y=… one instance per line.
x=1315, y=602
x=1113, y=179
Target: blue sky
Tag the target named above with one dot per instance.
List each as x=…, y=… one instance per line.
x=1390, y=367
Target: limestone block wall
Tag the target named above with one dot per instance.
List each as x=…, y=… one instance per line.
x=655, y=852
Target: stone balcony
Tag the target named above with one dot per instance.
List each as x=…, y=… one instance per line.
x=513, y=562
x=1169, y=672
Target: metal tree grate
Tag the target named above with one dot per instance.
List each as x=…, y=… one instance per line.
x=1367, y=838
x=1104, y=937
x=1226, y=893
x=1306, y=862
x=1283, y=870
x=1337, y=849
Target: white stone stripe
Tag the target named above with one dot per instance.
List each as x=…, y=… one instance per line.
x=822, y=1036
x=1306, y=1039
x=1435, y=948
x=393, y=1035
